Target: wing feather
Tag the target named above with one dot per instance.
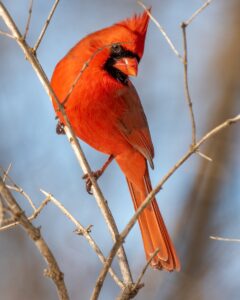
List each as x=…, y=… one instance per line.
x=132, y=123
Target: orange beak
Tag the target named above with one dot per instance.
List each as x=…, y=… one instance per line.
x=128, y=65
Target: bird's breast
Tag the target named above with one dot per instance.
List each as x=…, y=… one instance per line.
x=94, y=115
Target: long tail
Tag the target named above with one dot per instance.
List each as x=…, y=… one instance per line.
x=153, y=229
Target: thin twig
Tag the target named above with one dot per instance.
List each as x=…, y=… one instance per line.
x=145, y=269
x=31, y=218
x=22, y=192
x=34, y=233
x=149, y=198
x=29, y=54
x=218, y=238
x=85, y=233
x=7, y=34
x=45, y=26
x=204, y=156
x=104, y=271
x=131, y=292
x=197, y=12
x=5, y=175
x=163, y=32
x=186, y=87
x=17, y=188
x=28, y=20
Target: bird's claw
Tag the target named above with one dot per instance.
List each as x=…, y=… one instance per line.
x=60, y=128
x=88, y=181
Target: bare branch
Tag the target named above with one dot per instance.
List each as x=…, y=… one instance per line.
x=6, y=34
x=163, y=32
x=34, y=233
x=186, y=87
x=130, y=292
x=72, y=139
x=104, y=271
x=137, y=284
x=16, y=188
x=185, y=65
x=22, y=192
x=197, y=12
x=218, y=238
x=204, y=156
x=5, y=175
x=45, y=26
x=85, y=233
x=28, y=20
x=32, y=217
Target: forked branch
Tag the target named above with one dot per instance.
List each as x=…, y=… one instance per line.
x=34, y=233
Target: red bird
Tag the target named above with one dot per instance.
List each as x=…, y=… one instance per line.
x=105, y=111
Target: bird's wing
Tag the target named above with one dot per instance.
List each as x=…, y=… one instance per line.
x=132, y=123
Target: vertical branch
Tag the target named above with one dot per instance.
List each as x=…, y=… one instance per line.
x=34, y=233
x=184, y=60
x=186, y=87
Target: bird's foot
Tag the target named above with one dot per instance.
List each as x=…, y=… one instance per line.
x=88, y=181
x=60, y=128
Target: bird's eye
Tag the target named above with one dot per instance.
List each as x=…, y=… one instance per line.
x=116, y=48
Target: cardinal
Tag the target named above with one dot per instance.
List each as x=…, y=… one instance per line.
x=104, y=109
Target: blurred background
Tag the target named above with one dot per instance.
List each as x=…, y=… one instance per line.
x=200, y=200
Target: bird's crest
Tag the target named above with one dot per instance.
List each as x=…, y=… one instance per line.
x=138, y=23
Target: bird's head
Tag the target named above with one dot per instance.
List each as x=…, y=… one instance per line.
x=118, y=49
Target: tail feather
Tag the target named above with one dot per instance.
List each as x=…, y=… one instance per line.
x=153, y=229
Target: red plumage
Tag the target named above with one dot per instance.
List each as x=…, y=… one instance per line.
x=105, y=111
